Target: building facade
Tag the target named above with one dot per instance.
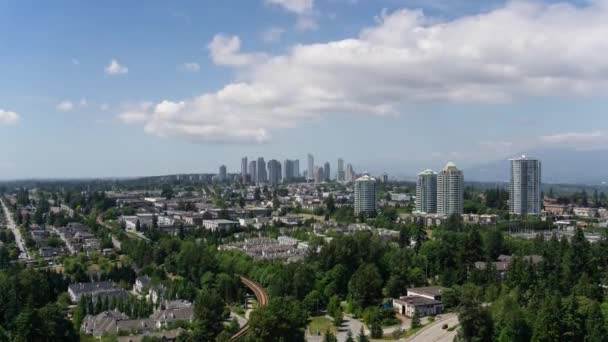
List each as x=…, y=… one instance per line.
x=243, y=167
x=326, y=172
x=450, y=190
x=365, y=195
x=525, y=188
x=311, y=166
x=274, y=171
x=340, y=175
x=262, y=177
x=253, y=171
x=426, y=192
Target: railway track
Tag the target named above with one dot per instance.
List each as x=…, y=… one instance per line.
x=260, y=295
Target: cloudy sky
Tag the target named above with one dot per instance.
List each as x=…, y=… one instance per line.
x=127, y=88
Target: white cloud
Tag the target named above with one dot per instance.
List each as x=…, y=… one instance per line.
x=295, y=6
x=65, y=106
x=304, y=9
x=226, y=50
x=272, y=35
x=115, y=68
x=189, y=67
x=8, y=118
x=519, y=50
x=579, y=140
x=104, y=107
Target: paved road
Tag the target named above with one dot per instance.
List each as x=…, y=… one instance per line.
x=10, y=222
x=65, y=241
x=434, y=333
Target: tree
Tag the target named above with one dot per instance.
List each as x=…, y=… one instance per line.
x=283, y=319
x=416, y=321
x=365, y=286
x=209, y=315
x=376, y=329
x=349, y=336
x=547, y=326
x=329, y=336
x=475, y=320
x=362, y=337
x=594, y=325
x=404, y=236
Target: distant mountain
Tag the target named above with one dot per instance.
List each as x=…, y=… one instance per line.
x=558, y=166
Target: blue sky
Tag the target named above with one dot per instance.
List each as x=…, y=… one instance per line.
x=127, y=88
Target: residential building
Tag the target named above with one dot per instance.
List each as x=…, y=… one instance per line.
x=262, y=177
x=289, y=172
x=253, y=173
x=311, y=166
x=222, y=173
x=426, y=192
x=450, y=190
x=99, y=289
x=215, y=225
x=420, y=302
x=350, y=173
x=365, y=195
x=525, y=192
x=318, y=175
x=340, y=175
x=326, y=172
x=296, y=168
x=243, y=168
x=274, y=171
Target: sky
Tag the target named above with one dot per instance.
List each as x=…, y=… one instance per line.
x=130, y=88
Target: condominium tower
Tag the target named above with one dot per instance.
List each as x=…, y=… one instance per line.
x=311, y=166
x=525, y=190
x=426, y=192
x=365, y=195
x=450, y=190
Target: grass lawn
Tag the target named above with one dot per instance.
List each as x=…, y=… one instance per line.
x=320, y=324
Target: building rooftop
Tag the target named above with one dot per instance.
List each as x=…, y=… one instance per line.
x=416, y=301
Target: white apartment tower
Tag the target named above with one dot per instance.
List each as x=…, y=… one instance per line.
x=365, y=195
x=450, y=190
x=340, y=175
x=426, y=192
x=525, y=190
x=311, y=166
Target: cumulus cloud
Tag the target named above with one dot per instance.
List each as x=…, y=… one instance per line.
x=65, y=106
x=226, y=50
x=519, y=50
x=115, y=68
x=579, y=140
x=189, y=67
x=8, y=118
x=295, y=6
x=304, y=9
x=272, y=35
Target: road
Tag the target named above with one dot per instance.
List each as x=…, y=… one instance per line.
x=10, y=223
x=262, y=298
x=65, y=241
x=434, y=333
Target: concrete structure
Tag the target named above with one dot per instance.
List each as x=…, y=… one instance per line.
x=243, y=168
x=222, y=173
x=100, y=289
x=326, y=172
x=524, y=192
x=261, y=176
x=426, y=192
x=253, y=171
x=420, y=302
x=215, y=225
x=340, y=176
x=365, y=195
x=450, y=190
x=274, y=171
x=289, y=170
x=311, y=166
x=350, y=173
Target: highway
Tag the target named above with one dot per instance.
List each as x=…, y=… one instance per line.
x=434, y=333
x=262, y=298
x=10, y=223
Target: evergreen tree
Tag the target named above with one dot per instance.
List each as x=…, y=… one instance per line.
x=376, y=329
x=595, y=325
x=362, y=337
x=349, y=336
x=329, y=337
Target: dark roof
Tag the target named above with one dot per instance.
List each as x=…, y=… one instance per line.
x=428, y=290
x=417, y=301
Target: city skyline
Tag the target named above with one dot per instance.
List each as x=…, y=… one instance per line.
x=122, y=95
